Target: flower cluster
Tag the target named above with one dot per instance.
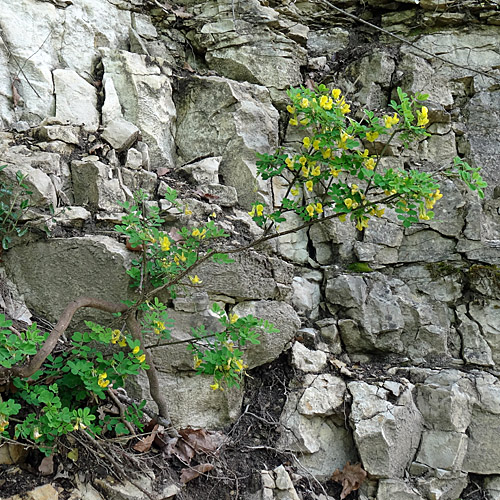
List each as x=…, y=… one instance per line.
x=118, y=338
x=103, y=380
x=337, y=167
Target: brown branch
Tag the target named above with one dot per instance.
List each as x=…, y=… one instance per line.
x=57, y=332
x=121, y=409
x=154, y=383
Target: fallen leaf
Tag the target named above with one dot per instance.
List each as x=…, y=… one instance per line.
x=73, y=454
x=194, y=472
x=188, y=67
x=183, y=451
x=46, y=466
x=201, y=440
x=145, y=443
x=351, y=477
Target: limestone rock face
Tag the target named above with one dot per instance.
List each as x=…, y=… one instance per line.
x=394, y=427
x=116, y=96
x=144, y=92
x=76, y=100
x=220, y=117
x=282, y=316
x=75, y=267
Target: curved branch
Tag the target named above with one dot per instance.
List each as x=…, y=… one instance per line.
x=154, y=383
x=59, y=329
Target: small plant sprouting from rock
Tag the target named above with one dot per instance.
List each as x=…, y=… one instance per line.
x=338, y=172
x=14, y=202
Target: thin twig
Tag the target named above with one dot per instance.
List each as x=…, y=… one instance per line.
x=121, y=409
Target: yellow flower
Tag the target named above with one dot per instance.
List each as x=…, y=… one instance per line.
x=289, y=163
x=116, y=334
x=342, y=217
x=327, y=153
x=310, y=210
x=180, y=258
x=362, y=223
x=316, y=144
x=195, y=280
x=303, y=160
x=391, y=120
x=328, y=106
x=304, y=103
x=196, y=232
x=102, y=380
x=259, y=209
x=304, y=121
x=141, y=358
x=294, y=122
x=422, y=117
x=336, y=93
x=197, y=362
x=306, y=141
x=165, y=244
x=319, y=208
x=371, y=136
x=364, y=154
x=294, y=191
x=291, y=109
x=377, y=211
x=233, y=318
x=309, y=185
x=348, y=202
x=323, y=100
x=216, y=386
x=122, y=342
x=370, y=164
x=158, y=328
x=335, y=172
x=354, y=188
x=345, y=108
x=136, y=349
x=305, y=171
x=316, y=171
x=239, y=365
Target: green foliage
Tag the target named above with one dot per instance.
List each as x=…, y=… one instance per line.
x=337, y=172
x=469, y=175
x=64, y=394
x=217, y=353
x=14, y=202
x=338, y=168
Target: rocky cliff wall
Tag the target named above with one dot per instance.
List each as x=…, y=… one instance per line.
x=398, y=367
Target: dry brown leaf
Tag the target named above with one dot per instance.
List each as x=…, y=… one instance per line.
x=145, y=443
x=351, y=477
x=194, y=472
x=46, y=466
x=184, y=452
x=201, y=440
